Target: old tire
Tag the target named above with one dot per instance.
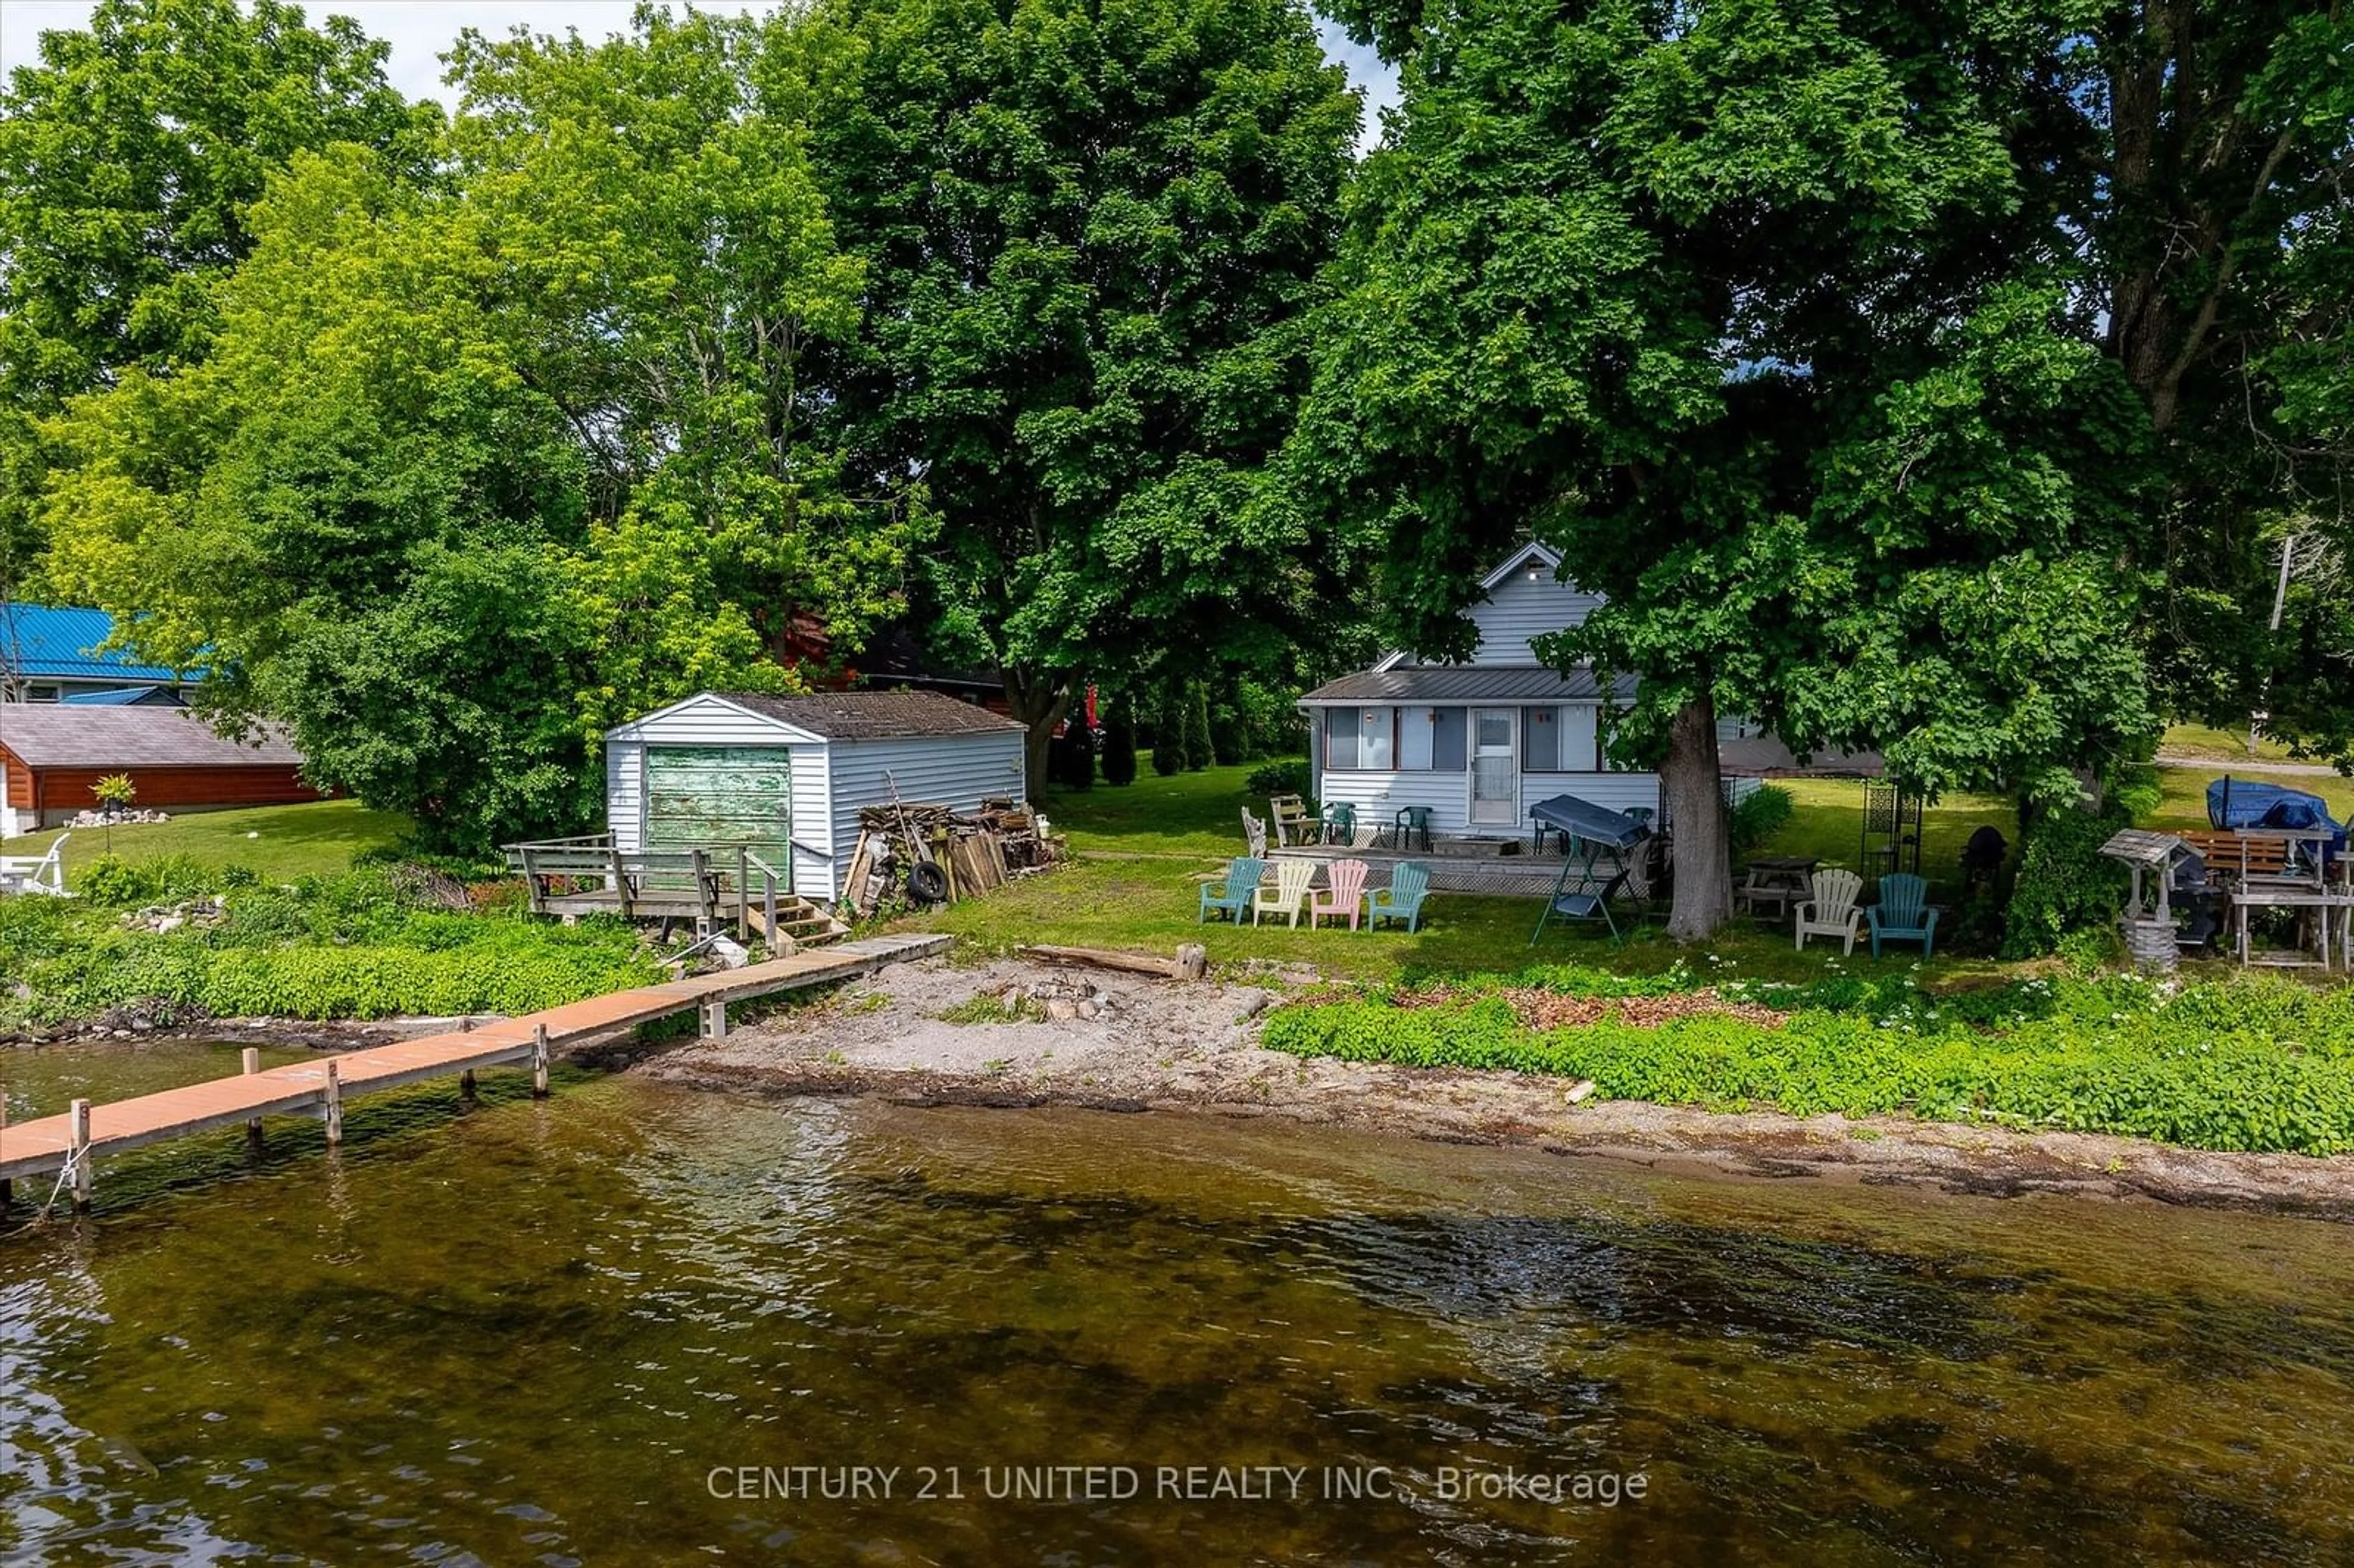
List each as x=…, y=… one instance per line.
x=926, y=882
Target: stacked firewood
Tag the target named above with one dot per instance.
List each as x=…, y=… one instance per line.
x=920, y=853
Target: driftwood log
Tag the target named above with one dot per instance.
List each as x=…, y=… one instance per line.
x=1192, y=962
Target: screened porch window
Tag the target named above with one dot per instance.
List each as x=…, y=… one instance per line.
x=1362, y=740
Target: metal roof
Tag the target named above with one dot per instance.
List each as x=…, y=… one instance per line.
x=874, y=715
x=126, y=697
x=1466, y=683
x=45, y=734
x=56, y=639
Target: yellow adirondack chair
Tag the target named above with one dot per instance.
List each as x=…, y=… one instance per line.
x=1287, y=893
x=1831, y=912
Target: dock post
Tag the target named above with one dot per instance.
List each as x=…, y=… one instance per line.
x=250, y=1065
x=714, y=1019
x=539, y=1061
x=335, y=1104
x=7, y=1189
x=78, y=1151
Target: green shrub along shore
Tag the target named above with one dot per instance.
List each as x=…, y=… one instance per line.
x=361, y=944
x=2254, y=1063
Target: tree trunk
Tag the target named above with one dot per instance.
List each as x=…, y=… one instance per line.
x=1039, y=699
x=1691, y=783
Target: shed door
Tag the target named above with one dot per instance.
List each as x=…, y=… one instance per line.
x=711, y=797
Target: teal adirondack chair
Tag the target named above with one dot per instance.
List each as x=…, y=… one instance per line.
x=1902, y=914
x=1402, y=899
x=1234, y=895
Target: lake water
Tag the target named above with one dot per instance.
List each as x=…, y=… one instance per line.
x=616, y=1326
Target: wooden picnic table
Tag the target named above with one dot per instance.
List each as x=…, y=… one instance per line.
x=1778, y=880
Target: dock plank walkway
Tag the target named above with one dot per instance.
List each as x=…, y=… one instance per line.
x=42, y=1147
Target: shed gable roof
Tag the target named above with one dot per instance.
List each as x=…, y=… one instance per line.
x=875, y=716
x=45, y=736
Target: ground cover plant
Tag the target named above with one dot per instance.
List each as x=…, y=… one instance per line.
x=2235, y=1063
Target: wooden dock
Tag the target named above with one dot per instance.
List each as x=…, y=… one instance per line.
x=72, y=1144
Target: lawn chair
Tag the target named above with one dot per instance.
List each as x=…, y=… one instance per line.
x=1831, y=912
x=1339, y=823
x=1234, y=895
x=1254, y=834
x=1402, y=899
x=1292, y=876
x=37, y=873
x=1902, y=914
x=1346, y=895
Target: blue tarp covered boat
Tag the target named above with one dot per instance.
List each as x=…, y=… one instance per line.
x=2241, y=803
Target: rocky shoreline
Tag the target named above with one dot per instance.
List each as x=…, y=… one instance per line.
x=1168, y=1047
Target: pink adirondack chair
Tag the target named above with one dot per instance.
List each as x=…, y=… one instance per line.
x=1346, y=896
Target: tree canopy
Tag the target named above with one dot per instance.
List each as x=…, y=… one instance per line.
x=1091, y=231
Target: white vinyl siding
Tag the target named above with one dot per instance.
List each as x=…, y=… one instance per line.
x=1518, y=609
x=958, y=771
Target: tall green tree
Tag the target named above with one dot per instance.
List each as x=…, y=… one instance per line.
x=1728, y=303
x=130, y=152
x=1091, y=232
x=475, y=469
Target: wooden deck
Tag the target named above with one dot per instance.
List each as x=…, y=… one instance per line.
x=318, y=1086
x=1457, y=865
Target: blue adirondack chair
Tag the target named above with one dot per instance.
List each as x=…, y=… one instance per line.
x=1234, y=895
x=1902, y=914
x=1402, y=899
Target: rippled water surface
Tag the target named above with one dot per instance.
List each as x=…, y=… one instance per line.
x=533, y=1332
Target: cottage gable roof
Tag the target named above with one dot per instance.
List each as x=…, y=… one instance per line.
x=1451, y=684
x=43, y=735
x=874, y=716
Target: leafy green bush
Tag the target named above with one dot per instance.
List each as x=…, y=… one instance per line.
x=1286, y=776
x=1756, y=817
x=2254, y=1064
x=232, y=877
x=110, y=883
x=2064, y=882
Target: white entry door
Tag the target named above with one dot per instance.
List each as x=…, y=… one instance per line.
x=1495, y=767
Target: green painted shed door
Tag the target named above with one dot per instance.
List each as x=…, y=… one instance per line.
x=700, y=797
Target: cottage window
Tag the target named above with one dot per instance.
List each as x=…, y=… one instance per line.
x=1361, y=740
x=1540, y=740
x=40, y=694
x=1450, y=750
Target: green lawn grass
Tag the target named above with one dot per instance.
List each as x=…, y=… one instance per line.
x=2217, y=745
x=278, y=842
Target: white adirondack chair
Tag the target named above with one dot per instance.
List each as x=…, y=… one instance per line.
x=1288, y=892
x=1831, y=912
x=1254, y=834
x=36, y=873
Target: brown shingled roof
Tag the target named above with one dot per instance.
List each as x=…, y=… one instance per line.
x=874, y=715
x=46, y=735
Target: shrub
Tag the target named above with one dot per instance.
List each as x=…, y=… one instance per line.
x=1198, y=751
x=1119, y=742
x=232, y=877
x=1169, y=735
x=178, y=875
x=1071, y=757
x=2064, y=882
x=110, y=883
x=1756, y=817
x=1288, y=776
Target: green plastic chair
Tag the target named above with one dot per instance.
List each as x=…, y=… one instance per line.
x=1234, y=895
x=1402, y=899
x=1902, y=914
x=1339, y=823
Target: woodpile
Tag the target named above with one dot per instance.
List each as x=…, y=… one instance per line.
x=924, y=853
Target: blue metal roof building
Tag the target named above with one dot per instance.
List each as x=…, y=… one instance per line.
x=46, y=652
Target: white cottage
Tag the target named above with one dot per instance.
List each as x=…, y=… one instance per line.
x=729, y=766
x=1477, y=743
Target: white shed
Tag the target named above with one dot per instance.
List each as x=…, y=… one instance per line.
x=729, y=766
